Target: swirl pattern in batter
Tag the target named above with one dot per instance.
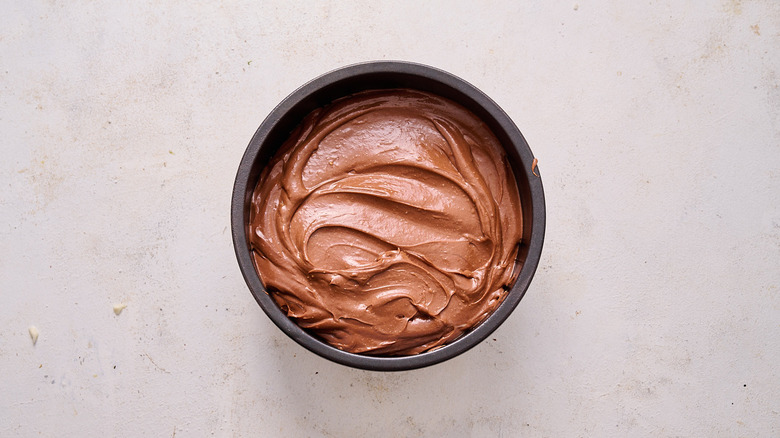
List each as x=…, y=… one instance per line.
x=388, y=224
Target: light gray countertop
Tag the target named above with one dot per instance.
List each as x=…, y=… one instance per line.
x=655, y=310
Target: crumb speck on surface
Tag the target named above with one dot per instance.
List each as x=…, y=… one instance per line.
x=33, y=334
x=118, y=308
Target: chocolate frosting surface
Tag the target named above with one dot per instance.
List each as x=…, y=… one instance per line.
x=388, y=223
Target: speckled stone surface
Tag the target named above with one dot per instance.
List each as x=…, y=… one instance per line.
x=655, y=308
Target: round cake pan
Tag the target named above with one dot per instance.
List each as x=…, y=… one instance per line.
x=349, y=80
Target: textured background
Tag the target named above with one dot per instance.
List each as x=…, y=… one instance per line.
x=655, y=310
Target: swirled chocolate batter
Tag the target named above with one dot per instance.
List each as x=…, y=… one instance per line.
x=388, y=223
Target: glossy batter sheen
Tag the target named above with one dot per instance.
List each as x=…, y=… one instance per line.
x=388, y=223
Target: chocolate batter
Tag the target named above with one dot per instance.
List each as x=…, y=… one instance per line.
x=388, y=223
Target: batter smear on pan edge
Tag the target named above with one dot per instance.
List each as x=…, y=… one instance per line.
x=388, y=223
